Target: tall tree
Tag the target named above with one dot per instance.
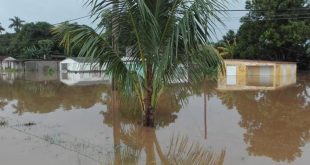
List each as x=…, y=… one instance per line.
x=227, y=46
x=275, y=30
x=168, y=40
x=29, y=37
x=17, y=23
x=1, y=29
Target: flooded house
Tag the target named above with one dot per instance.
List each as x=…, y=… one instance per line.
x=82, y=71
x=257, y=75
x=80, y=64
x=7, y=62
x=84, y=78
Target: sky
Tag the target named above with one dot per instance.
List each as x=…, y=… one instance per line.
x=56, y=11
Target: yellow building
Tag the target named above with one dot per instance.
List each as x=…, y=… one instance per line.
x=257, y=75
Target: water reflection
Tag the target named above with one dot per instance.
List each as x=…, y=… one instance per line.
x=48, y=96
x=81, y=78
x=132, y=140
x=249, y=82
x=11, y=77
x=272, y=124
x=277, y=122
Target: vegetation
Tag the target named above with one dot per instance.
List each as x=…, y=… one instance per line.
x=1, y=29
x=227, y=46
x=50, y=71
x=165, y=38
x=17, y=24
x=3, y=123
x=9, y=70
x=30, y=41
x=275, y=30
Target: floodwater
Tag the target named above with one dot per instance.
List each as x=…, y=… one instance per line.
x=45, y=121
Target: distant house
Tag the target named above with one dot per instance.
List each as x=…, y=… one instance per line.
x=7, y=62
x=80, y=64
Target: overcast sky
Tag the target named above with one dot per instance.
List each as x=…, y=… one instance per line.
x=55, y=11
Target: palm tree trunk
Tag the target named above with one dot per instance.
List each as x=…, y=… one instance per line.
x=115, y=38
x=149, y=146
x=149, y=114
x=116, y=128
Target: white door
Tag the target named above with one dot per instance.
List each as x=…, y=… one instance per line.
x=231, y=70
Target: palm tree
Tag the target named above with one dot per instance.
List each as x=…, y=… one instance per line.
x=1, y=29
x=168, y=39
x=227, y=50
x=17, y=23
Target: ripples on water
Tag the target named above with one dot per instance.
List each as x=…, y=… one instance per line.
x=83, y=122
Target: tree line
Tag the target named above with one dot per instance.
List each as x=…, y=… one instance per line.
x=277, y=30
x=29, y=40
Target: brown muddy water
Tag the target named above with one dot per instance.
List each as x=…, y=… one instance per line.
x=44, y=121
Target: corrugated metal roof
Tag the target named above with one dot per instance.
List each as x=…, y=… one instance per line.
x=257, y=61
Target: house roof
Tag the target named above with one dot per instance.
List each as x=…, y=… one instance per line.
x=58, y=57
x=9, y=59
x=82, y=59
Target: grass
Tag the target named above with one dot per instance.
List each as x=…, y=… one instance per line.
x=10, y=70
x=3, y=123
x=50, y=71
x=29, y=124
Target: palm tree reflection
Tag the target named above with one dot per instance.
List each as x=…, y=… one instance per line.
x=277, y=122
x=134, y=143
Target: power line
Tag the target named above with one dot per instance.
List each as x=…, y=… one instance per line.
x=262, y=10
x=225, y=10
x=285, y=16
x=278, y=15
x=74, y=19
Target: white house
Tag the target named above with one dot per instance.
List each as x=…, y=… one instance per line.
x=7, y=62
x=84, y=78
x=80, y=64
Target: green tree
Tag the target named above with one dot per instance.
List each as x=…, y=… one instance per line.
x=227, y=50
x=275, y=30
x=227, y=46
x=1, y=29
x=28, y=39
x=230, y=37
x=46, y=47
x=17, y=23
x=166, y=38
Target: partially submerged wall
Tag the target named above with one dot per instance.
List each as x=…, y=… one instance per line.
x=43, y=66
x=246, y=74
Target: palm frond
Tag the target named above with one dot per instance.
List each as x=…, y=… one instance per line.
x=181, y=151
x=170, y=36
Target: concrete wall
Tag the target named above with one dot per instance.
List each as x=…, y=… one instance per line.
x=41, y=66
